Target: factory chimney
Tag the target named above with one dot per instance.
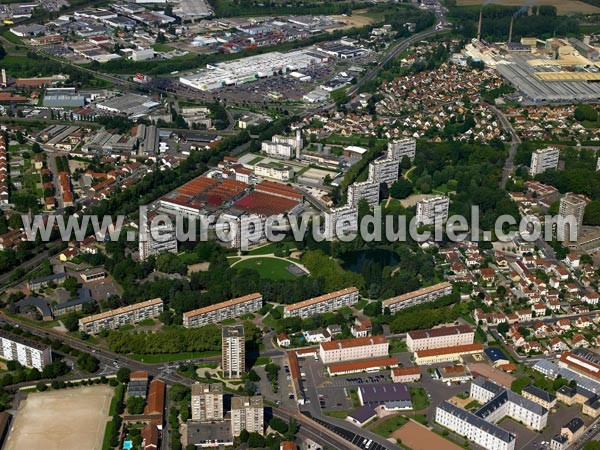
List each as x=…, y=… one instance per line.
x=480, y=21
x=4, y=80
x=511, y=30
x=298, y=143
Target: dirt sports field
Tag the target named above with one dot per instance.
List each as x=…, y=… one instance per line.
x=418, y=437
x=67, y=419
x=564, y=7
x=357, y=19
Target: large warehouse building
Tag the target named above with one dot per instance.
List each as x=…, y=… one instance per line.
x=245, y=70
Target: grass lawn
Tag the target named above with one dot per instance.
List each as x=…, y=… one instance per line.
x=472, y=405
x=419, y=398
x=228, y=321
x=256, y=160
x=337, y=414
x=162, y=48
x=397, y=346
x=12, y=38
x=108, y=432
x=388, y=426
x=361, y=304
x=262, y=361
x=233, y=259
x=270, y=248
x=161, y=358
x=354, y=397
x=147, y=322
x=269, y=268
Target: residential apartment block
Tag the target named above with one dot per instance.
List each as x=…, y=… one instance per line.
x=439, y=338
x=340, y=221
x=157, y=238
x=207, y=402
x=247, y=413
x=571, y=210
x=384, y=170
x=433, y=210
x=149, y=309
x=399, y=149
x=219, y=312
x=322, y=304
x=27, y=352
x=426, y=294
x=367, y=190
x=233, y=351
x=352, y=349
x=474, y=428
x=544, y=159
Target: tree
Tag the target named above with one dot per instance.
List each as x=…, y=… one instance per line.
x=41, y=386
x=135, y=405
x=503, y=327
x=401, y=189
x=519, y=384
x=255, y=440
x=123, y=375
x=87, y=363
x=70, y=321
x=244, y=435
x=278, y=425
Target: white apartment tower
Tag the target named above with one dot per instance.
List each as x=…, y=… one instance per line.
x=544, y=159
x=365, y=189
x=27, y=352
x=233, y=351
x=399, y=149
x=340, y=221
x=247, y=413
x=384, y=170
x=433, y=210
x=571, y=211
x=157, y=237
x=207, y=402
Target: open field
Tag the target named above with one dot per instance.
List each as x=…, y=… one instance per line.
x=269, y=268
x=564, y=7
x=358, y=19
x=67, y=419
x=419, y=437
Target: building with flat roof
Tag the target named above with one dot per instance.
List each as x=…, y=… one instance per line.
x=370, y=365
x=434, y=210
x=207, y=402
x=365, y=189
x=233, y=351
x=346, y=350
x=340, y=221
x=414, y=298
x=384, y=170
x=229, y=309
x=439, y=337
x=322, y=304
x=156, y=238
x=404, y=147
x=149, y=309
x=247, y=413
x=571, y=210
x=27, y=352
x=544, y=159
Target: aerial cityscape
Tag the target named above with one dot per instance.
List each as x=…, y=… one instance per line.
x=300, y=224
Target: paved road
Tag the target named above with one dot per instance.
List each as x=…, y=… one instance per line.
x=514, y=145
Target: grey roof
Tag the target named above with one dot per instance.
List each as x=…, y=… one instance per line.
x=477, y=422
x=560, y=439
x=54, y=276
x=574, y=425
x=530, y=405
x=363, y=414
x=36, y=302
x=22, y=340
x=392, y=395
x=85, y=296
x=553, y=371
x=539, y=393
x=204, y=433
x=488, y=385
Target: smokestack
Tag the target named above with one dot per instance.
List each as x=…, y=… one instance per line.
x=298, y=143
x=511, y=30
x=4, y=80
x=480, y=21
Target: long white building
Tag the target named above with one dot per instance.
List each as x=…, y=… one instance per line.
x=245, y=70
x=439, y=338
x=433, y=210
x=322, y=304
x=149, y=309
x=346, y=350
x=27, y=352
x=219, y=312
x=414, y=298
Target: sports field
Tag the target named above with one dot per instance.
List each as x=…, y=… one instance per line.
x=419, y=437
x=66, y=419
x=564, y=7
